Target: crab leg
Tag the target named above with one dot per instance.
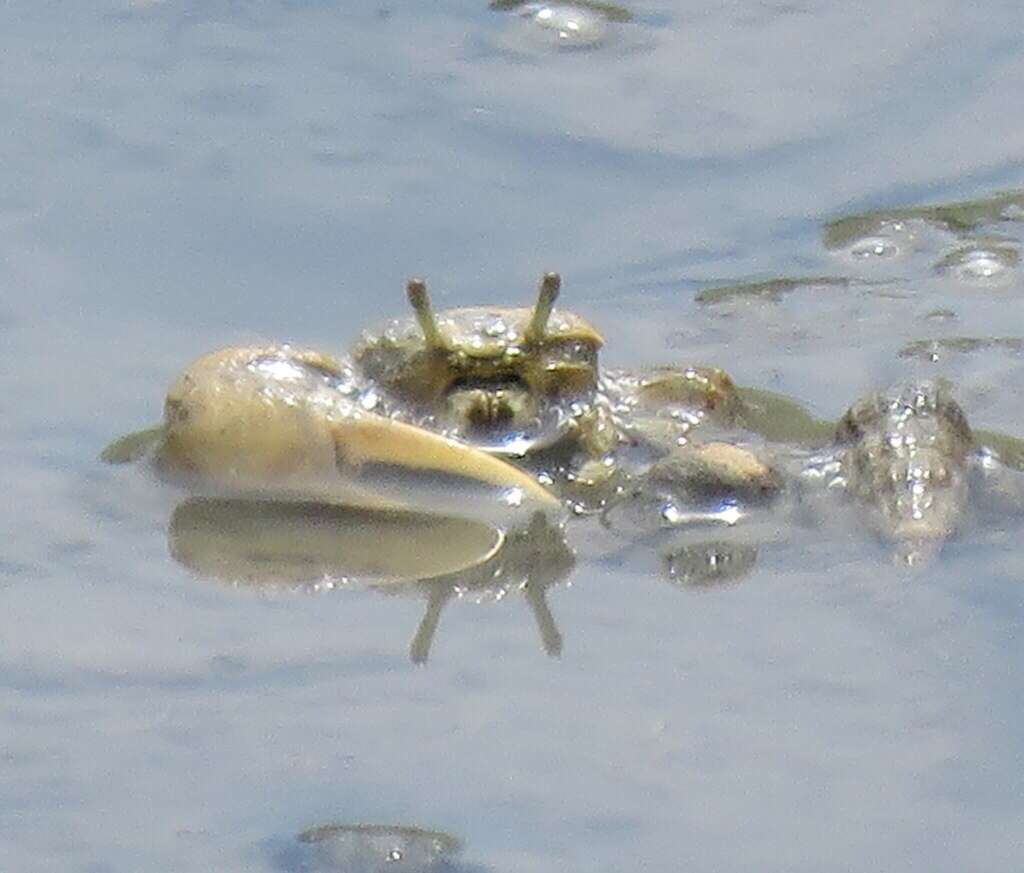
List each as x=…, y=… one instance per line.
x=550, y=636
x=419, y=648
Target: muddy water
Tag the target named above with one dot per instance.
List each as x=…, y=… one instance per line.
x=181, y=175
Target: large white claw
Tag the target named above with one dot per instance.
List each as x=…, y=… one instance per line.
x=273, y=421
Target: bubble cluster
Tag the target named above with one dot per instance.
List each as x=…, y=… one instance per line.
x=874, y=247
x=981, y=265
x=564, y=26
x=376, y=848
x=877, y=239
x=1012, y=212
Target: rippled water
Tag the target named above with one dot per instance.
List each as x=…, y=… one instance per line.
x=182, y=175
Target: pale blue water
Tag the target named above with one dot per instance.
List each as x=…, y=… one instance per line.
x=181, y=175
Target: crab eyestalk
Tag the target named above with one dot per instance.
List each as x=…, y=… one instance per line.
x=420, y=302
x=546, y=297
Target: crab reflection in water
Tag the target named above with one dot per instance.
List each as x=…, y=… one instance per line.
x=293, y=545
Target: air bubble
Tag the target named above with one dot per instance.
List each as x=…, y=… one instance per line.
x=376, y=848
x=874, y=247
x=672, y=514
x=369, y=400
x=981, y=266
x=564, y=26
x=496, y=328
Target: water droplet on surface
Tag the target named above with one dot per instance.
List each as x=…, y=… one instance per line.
x=874, y=247
x=981, y=265
x=672, y=514
x=564, y=26
x=513, y=497
x=376, y=849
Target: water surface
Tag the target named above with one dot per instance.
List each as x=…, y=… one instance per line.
x=182, y=175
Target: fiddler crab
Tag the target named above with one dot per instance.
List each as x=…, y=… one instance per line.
x=440, y=459
x=465, y=437
x=435, y=408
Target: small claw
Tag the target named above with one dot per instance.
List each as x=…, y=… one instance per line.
x=550, y=635
x=419, y=648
